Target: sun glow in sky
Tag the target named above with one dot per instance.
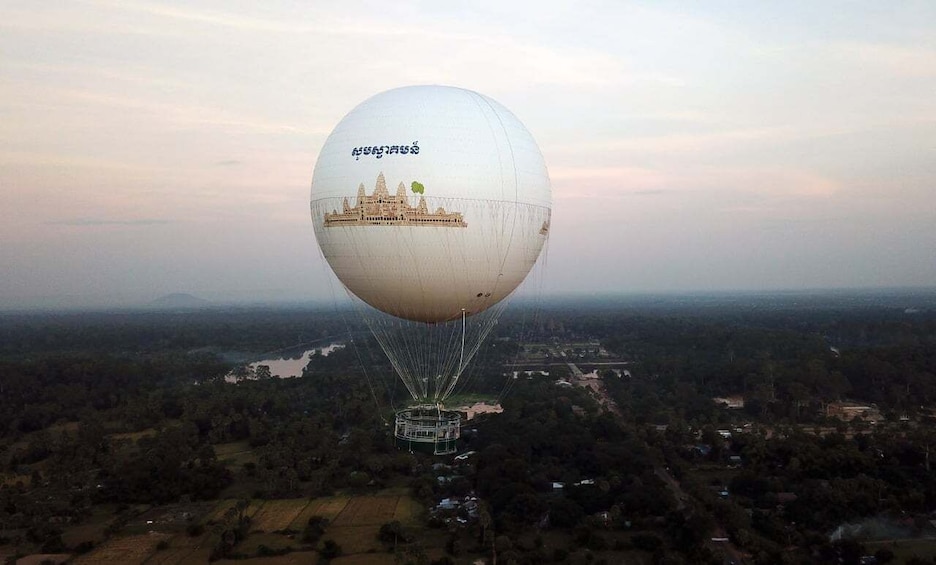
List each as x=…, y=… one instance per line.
x=152, y=147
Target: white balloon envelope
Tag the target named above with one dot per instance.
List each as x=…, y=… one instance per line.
x=431, y=204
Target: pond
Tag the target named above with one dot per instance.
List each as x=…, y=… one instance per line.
x=282, y=366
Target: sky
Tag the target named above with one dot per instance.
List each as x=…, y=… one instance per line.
x=149, y=148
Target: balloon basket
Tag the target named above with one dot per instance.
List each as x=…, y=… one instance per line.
x=427, y=429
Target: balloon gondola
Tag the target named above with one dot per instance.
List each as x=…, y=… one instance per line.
x=431, y=205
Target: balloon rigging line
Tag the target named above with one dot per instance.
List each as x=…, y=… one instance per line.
x=437, y=354
x=341, y=314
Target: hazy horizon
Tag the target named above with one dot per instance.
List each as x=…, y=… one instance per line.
x=924, y=297
x=150, y=148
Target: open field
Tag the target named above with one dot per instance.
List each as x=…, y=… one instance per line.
x=235, y=454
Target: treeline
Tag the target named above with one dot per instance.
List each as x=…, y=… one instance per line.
x=787, y=364
x=255, y=330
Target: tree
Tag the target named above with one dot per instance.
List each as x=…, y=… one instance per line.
x=314, y=529
x=330, y=549
x=393, y=533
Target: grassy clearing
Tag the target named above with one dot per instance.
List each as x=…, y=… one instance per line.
x=235, y=454
x=355, y=539
x=470, y=398
x=58, y=429
x=408, y=510
x=277, y=515
x=92, y=529
x=223, y=450
x=93, y=532
x=133, y=436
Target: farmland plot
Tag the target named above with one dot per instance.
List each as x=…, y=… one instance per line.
x=368, y=510
x=328, y=507
x=127, y=550
x=277, y=515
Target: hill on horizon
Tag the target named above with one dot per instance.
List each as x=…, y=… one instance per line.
x=180, y=300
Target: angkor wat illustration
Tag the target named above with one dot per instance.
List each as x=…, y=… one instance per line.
x=381, y=209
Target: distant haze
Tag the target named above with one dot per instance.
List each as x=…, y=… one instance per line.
x=152, y=148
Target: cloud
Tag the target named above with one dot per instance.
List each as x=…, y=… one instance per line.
x=184, y=115
x=225, y=19
x=777, y=181
x=436, y=50
x=687, y=142
x=585, y=182
x=95, y=222
x=736, y=190
x=652, y=192
x=44, y=160
x=913, y=62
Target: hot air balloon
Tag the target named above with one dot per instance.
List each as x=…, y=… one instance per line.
x=431, y=204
